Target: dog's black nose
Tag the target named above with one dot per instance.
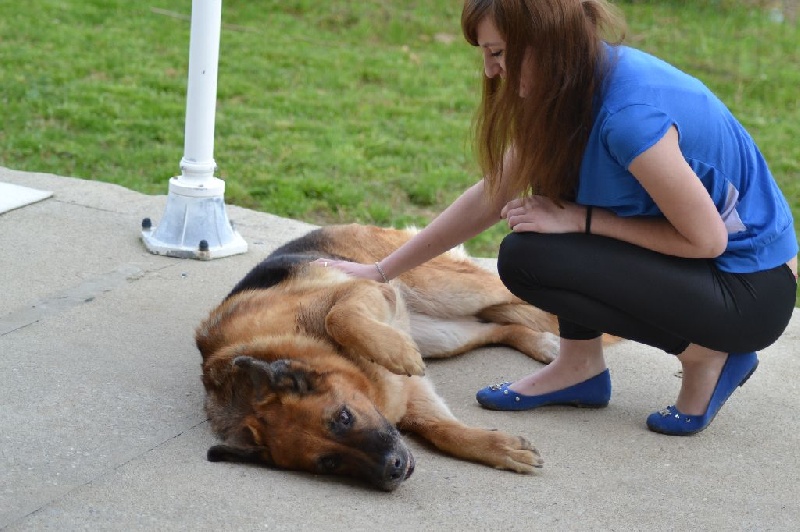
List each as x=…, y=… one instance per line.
x=398, y=467
x=395, y=468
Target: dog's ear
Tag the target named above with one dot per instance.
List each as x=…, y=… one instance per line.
x=280, y=376
x=233, y=453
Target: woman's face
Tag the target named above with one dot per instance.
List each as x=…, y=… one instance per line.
x=494, y=49
x=494, y=55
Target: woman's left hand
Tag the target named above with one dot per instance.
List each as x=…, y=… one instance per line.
x=539, y=214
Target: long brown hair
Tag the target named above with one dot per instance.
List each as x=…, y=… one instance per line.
x=549, y=127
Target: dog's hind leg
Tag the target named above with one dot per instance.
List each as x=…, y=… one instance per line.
x=528, y=316
x=443, y=338
x=428, y=417
x=369, y=321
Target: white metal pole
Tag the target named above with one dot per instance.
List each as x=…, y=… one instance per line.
x=198, y=164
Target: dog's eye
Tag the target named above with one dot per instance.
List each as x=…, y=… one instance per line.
x=345, y=418
x=329, y=463
x=342, y=422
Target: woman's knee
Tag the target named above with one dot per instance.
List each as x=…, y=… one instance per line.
x=506, y=256
x=516, y=259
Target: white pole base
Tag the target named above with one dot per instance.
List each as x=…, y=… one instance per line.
x=195, y=224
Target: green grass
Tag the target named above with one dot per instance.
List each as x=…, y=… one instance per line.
x=330, y=111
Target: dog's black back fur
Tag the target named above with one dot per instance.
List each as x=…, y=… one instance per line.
x=281, y=262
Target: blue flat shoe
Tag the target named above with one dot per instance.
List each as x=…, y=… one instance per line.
x=591, y=393
x=735, y=372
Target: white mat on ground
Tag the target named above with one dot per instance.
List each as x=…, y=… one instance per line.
x=15, y=196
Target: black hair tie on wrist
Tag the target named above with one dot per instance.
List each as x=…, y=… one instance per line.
x=588, y=225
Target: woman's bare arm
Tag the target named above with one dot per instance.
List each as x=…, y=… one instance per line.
x=692, y=226
x=466, y=217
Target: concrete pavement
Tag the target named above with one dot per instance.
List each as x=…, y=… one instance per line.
x=102, y=425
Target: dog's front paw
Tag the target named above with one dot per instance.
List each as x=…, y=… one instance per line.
x=504, y=451
x=520, y=456
x=407, y=363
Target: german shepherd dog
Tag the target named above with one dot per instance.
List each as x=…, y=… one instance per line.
x=306, y=368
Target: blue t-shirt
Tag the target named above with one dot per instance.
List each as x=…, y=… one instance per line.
x=642, y=99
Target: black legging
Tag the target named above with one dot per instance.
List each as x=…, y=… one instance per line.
x=594, y=283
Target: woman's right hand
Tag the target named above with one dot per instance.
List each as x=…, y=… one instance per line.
x=355, y=269
x=464, y=218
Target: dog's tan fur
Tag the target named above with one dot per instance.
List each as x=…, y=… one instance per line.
x=306, y=368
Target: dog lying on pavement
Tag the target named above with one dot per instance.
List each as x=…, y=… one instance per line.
x=306, y=368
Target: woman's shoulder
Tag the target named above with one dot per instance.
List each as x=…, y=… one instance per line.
x=637, y=77
x=626, y=61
